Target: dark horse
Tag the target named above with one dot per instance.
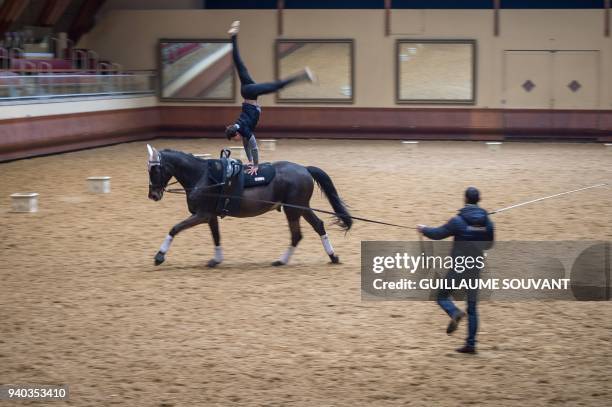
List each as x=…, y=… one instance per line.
x=293, y=185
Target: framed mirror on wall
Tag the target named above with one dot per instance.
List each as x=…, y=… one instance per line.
x=332, y=62
x=436, y=71
x=196, y=70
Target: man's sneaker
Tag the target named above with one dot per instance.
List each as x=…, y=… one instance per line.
x=454, y=323
x=310, y=75
x=467, y=349
x=234, y=28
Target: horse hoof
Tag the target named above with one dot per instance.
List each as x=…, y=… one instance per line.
x=278, y=263
x=159, y=258
x=212, y=263
x=334, y=259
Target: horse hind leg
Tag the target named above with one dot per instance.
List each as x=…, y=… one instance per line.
x=293, y=217
x=319, y=227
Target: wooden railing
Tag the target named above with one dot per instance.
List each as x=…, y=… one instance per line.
x=40, y=82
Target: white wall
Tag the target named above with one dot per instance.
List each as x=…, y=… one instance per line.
x=80, y=106
x=130, y=37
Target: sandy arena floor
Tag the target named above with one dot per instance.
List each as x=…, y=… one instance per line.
x=82, y=303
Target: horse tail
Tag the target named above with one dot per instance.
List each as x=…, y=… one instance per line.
x=343, y=217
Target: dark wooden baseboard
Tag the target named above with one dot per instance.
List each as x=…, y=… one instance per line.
x=399, y=123
x=27, y=137
x=108, y=140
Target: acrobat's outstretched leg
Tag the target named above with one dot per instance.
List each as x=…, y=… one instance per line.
x=248, y=88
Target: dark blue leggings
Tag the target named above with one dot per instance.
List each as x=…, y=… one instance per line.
x=451, y=309
x=248, y=88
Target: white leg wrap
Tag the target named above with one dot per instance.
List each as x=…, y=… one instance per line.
x=218, y=254
x=287, y=255
x=166, y=245
x=327, y=245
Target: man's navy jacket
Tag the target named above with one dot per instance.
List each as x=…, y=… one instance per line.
x=471, y=224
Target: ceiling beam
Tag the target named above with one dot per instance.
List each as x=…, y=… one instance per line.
x=85, y=19
x=496, y=28
x=52, y=11
x=387, y=18
x=607, y=18
x=280, y=6
x=10, y=12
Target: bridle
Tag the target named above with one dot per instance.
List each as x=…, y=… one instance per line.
x=185, y=190
x=151, y=164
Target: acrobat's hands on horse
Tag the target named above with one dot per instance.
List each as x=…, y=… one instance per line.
x=252, y=169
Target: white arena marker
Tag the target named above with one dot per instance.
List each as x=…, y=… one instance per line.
x=203, y=156
x=99, y=185
x=609, y=146
x=25, y=202
x=268, y=144
x=494, y=145
x=411, y=145
x=238, y=152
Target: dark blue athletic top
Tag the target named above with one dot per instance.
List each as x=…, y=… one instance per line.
x=248, y=119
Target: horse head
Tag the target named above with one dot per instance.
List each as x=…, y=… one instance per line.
x=158, y=174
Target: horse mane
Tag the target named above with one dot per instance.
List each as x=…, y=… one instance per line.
x=181, y=155
x=185, y=167
x=169, y=150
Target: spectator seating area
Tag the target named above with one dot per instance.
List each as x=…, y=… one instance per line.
x=32, y=70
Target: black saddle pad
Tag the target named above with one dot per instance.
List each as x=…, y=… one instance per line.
x=265, y=175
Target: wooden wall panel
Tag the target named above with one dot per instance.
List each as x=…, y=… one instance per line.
x=28, y=137
x=48, y=134
x=337, y=120
x=570, y=121
x=516, y=120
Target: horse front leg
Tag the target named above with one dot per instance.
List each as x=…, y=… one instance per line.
x=191, y=221
x=213, y=223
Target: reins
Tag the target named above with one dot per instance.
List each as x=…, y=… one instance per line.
x=185, y=190
x=339, y=215
x=305, y=208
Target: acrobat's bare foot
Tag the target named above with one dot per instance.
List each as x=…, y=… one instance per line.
x=234, y=28
x=310, y=75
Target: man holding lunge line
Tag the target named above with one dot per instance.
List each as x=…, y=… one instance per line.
x=244, y=127
x=473, y=232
